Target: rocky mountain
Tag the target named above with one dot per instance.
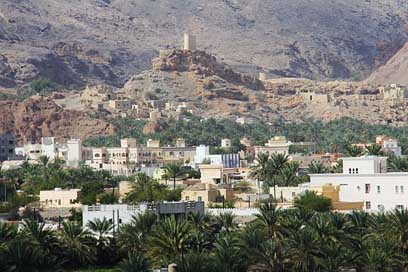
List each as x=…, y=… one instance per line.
x=36, y=117
x=394, y=71
x=212, y=89
x=94, y=41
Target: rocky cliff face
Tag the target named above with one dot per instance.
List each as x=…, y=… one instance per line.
x=394, y=71
x=202, y=65
x=85, y=41
x=37, y=117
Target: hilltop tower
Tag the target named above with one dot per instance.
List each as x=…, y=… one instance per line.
x=189, y=42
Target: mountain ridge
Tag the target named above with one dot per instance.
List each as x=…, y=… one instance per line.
x=108, y=41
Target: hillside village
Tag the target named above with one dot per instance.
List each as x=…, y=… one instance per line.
x=188, y=80
x=203, y=136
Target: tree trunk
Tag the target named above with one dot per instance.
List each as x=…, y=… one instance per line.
x=274, y=190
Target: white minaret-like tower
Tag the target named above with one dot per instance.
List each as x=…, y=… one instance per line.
x=189, y=42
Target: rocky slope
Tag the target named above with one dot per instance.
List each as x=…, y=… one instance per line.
x=37, y=117
x=212, y=89
x=394, y=71
x=82, y=41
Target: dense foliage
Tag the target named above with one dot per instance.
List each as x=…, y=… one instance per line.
x=333, y=136
x=47, y=175
x=277, y=240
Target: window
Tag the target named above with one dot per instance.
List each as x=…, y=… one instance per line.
x=380, y=207
x=402, y=189
x=187, y=198
x=399, y=207
x=97, y=155
x=356, y=170
x=367, y=188
x=396, y=189
x=378, y=189
x=349, y=170
x=368, y=205
x=200, y=199
x=358, y=187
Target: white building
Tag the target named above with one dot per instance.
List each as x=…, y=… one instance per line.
x=202, y=154
x=226, y=143
x=389, y=145
x=49, y=147
x=74, y=152
x=122, y=213
x=366, y=179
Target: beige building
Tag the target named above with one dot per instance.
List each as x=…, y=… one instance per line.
x=276, y=145
x=93, y=96
x=393, y=93
x=153, y=143
x=315, y=98
x=216, y=174
x=120, y=104
x=289, y=194
x=59, y=198
x=207, y=193
x=327, y=160
x=124, y=188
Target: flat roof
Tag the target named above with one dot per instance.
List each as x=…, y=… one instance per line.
x=389, y=174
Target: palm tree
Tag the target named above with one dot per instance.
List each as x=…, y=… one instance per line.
x=170, y=239
x=382, y=255
x=144, y=222
x=47, y=242
x=135, y=262
x=199, y=221
x=398, y=164
x=24, y=255
x=304, y=249
x=197, y=261
x=269, y=218
x=173, y=171
x=77, y=245
x=102, y=231
x=272, y=256
x=288, y=175
x=337, y=168
x=398, y=228
x=274, y=168
x=7, y=232
x=44, y=160
x=260, y=169
x=226, y=221
x=317, y=168
x=354, y=151
x=228, y=254
x=375, y=150
x=336, y=257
